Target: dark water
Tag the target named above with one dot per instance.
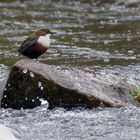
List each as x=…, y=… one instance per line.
x=92, y=35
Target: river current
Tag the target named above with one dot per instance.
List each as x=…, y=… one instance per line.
x=92, y=35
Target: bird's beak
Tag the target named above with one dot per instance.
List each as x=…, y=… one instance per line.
x=52, y=32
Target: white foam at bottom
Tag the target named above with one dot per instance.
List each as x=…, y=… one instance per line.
x=6, y=133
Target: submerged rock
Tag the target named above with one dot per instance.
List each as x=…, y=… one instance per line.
x=30, y=82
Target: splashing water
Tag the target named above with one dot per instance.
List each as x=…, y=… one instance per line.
x=41, y=88
x=96, y=36
x=32, y=74
x=25, y=71
x=39, y=84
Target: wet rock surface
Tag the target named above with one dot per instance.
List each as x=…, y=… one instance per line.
x=30, y=83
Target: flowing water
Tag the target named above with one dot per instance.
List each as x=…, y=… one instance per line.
x=92, y=35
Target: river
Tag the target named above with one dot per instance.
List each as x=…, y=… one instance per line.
x=92, y=35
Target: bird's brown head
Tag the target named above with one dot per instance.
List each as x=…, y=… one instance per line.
x=43, y=32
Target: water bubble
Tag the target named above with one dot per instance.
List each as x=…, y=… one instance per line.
x=41, y=88
x=39, y=84
x=102, y=22
x=102, y=8
x=115, y=21
x=133, y=57
x=116, y=51
x=33, y=100
x=77, y=84
x=5, y=96
x=130, y=52
x=5, y=89
x=101, y=104
x=32, y=74
x=5, y=104
x=129, y=39
x=37, y=97
x=44, y=102
x=26, y=98
x=112, y=35
x=16, y=44
x=106, y=42
x=57, y=67
x=101, y=27
x=8, y=85
x=106, y=60
x=25, y=71
x=75, y=78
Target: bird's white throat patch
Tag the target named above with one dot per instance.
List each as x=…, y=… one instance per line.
x=44, y=40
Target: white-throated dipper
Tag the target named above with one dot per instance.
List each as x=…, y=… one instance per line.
x=36, y=44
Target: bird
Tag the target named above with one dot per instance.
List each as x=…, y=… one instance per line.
x=36, y=44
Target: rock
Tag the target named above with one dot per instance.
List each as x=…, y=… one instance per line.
x=30, y=82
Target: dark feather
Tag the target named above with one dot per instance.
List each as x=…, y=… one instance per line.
x=31, y=40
